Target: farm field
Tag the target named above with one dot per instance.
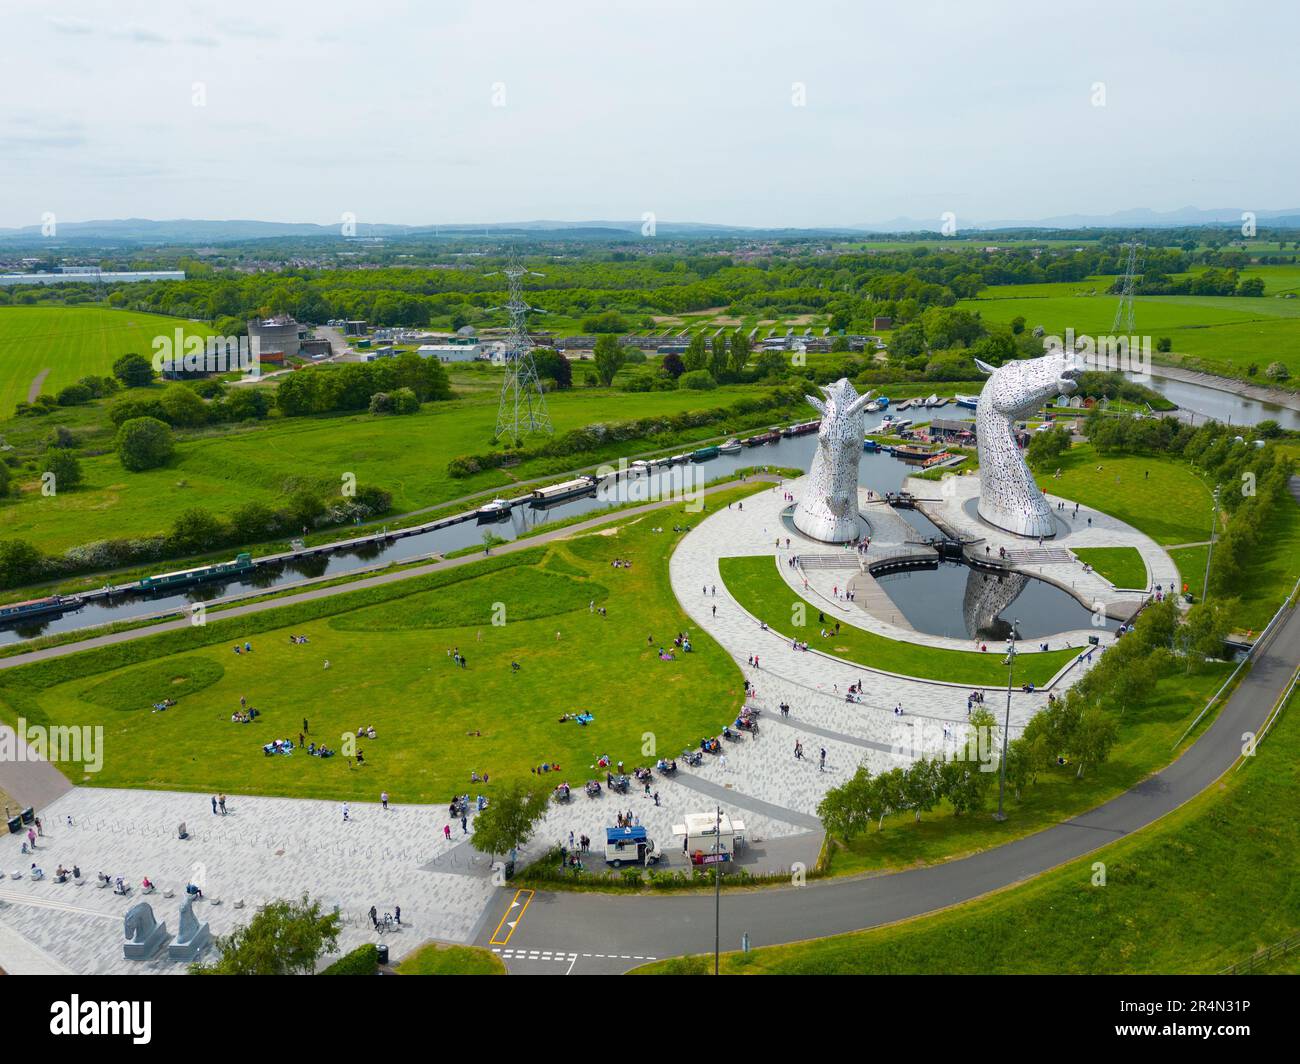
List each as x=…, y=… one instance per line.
x=1219, y=332
x=72, y=342
x=390, y=666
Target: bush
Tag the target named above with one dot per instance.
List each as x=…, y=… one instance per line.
x=1277, y=371
x=135, y=371
x=697, y=380
x=364, y=960
x=182, y=406
x=144, y=443
x=20, y=563
x=65, y=467
x=1165, y=343
x=196, y=531
x=74, y=395
x=128, y=407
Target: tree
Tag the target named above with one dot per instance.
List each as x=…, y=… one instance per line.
x=510, y=819
x=253, y=522
x=554, y=366
x=65, y=467
x=697, y=352
x=144, y=443
x=195, y=531
x=741, y=348
x=609, y=358
x=182, y=406
x=673, y=365
x=135, y=371
x=718, y=356
x=20, y=563
x=285, y=938
x=1093, y=738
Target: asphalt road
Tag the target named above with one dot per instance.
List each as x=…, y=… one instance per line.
x=562, y=932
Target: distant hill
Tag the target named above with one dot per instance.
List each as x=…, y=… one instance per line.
x=137, y=231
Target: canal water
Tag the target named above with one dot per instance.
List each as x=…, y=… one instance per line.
x=880, y=472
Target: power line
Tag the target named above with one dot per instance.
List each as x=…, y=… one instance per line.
x=522, y=409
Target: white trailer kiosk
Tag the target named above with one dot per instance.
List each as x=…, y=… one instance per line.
x=709, y=839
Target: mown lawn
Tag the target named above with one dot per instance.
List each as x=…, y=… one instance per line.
x=390, y=666
x=1122, y=566
x=759, y=588
x=435, y=959
x=1206, y=886
x=1164, y=498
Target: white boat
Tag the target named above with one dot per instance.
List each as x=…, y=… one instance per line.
x=872, y=407
x=640, y=466
x=494, y=510
x=732, y=446
x=932, y=401
x=968, y=401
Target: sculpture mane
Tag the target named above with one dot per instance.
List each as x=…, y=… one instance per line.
x=1009, y=498
x=828, y=510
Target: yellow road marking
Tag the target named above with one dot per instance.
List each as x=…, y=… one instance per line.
x=515, y=903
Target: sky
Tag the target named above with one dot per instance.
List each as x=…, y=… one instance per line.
x=807, y=113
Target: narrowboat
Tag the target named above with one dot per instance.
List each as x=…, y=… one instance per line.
x=16, y=611
x=241, y=563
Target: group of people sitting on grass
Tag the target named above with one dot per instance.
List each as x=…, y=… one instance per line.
x=582, y=718
x=367, y=732
x=164, y=705
x=278, y=746
x=321, y=751
x=547, y=767
x=683, y=641
x=297, y=639
x=246, y=716
x=623, y=563
x=247, y=648
x=474, y=777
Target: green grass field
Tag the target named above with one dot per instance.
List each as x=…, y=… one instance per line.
x=435, y=959
x=226, y=467
x=759, y=588
x=1206, y=886
x=390, y=667
x=1223, y=333
x=72, y=342
x=1163, y=498
x=1122, y=566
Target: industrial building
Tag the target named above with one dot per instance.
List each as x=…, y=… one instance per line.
x=282, y=334
x=451, y=352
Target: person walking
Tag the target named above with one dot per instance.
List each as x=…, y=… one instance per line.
x=374, y=917
x=464, y=824
x=221, y=802
x=383, y=800
x=446, y=832
x=821, y=767
x=305, y=730
x=345, y=812
x=214, y=805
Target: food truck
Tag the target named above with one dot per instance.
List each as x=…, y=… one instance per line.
x=709, y=839
x=630, y=845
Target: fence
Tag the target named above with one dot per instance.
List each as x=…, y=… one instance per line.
x=1265, y=956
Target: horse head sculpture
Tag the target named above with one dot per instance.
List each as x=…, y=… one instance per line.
x=1009, y=498
x=828, y=510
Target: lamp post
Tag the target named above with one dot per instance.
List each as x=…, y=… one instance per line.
x=1209, y=552
x=1006, y=727
x=717, y=885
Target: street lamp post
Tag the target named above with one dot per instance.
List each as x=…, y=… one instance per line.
x=1209, y=551
x=1006, y=727
x=717, y=886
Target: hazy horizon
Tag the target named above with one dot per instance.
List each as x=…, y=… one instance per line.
x=763, y=115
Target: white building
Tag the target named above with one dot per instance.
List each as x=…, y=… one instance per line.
x=450, y=352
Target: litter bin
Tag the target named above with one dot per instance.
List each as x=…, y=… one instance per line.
x=15, y=825
x=383, y=953
x=28, y=815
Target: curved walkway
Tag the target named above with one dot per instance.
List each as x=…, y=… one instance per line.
x=584, y=925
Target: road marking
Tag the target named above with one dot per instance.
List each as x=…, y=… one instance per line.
x=506, y=922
